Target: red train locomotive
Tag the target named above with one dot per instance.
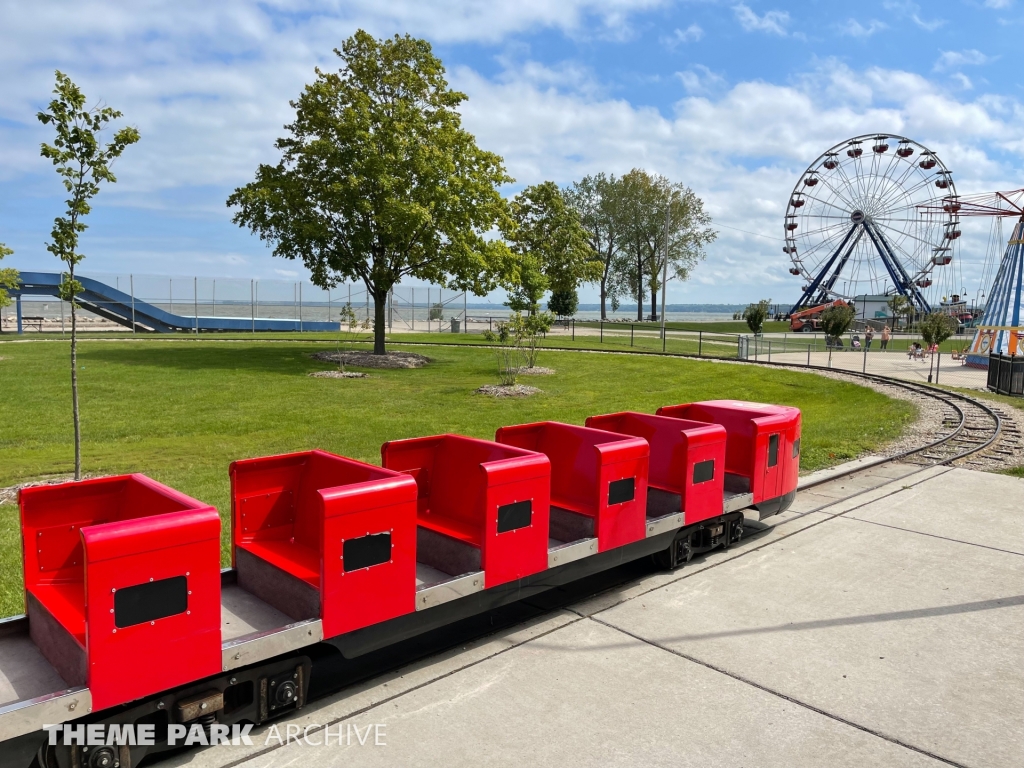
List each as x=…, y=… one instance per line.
x=131, y=620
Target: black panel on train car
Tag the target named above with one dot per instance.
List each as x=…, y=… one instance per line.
x=366, y=551
x=621, y=490
x=150, y=601
x=703, y=471
x=516, y=515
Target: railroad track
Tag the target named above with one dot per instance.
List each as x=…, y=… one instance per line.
x=979, y=435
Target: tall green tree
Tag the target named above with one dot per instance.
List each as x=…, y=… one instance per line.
x=596, y=200
x=378, y=180
x=83, y=163
x=9, y=279
x=641, y=223
x=550, y=248
x=564, y=303
x=687, y=228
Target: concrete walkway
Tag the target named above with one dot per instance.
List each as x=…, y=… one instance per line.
x=895, y=364
x=886, y=629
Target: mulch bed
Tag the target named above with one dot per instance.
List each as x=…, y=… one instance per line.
x=338, y=375
x=537, y=370
x=501, y=390
x=370, y=360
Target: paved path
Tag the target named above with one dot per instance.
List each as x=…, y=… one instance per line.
x=886, y=629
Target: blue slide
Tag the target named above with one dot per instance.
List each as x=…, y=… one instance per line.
x=105, y=301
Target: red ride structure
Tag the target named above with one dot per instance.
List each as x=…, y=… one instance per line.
x=131, y=621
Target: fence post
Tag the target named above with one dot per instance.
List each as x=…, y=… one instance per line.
x=601, y=325
x=300, y=306
x=213, y=307
x=700, y=343
x=864, y=368
x=391, y=309
x=808, y=355
x=573, y=329
x=631, y=334
x=769, y=351
x=170, y=295
x=131, y=284
x=465, y=317
x=664, y=333
x=412, y=289
x=252, y=303
x=62, y=318
x=488, y=323
x=257, y=299
x=938, y=359
x=195, y=302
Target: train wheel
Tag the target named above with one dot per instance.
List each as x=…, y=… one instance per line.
x=678, y=554
x=735, y=531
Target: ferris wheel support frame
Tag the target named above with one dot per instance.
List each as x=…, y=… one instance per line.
x=901, y=280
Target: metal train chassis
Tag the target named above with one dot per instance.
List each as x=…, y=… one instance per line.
x=279, y=686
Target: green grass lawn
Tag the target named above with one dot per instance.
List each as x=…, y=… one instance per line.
x=181, y=411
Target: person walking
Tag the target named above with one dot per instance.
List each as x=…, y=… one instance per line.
x=886, y=335
x=869, y=334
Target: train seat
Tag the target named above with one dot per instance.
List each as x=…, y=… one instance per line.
x=120, y=570
x=595, y=474
x=685, y=471
x=481, y=505
x=321, y=536
x=762, y=454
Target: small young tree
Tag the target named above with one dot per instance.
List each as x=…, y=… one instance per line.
x=509, y=351
x=900, y=306
x=935, y=329
x=350, y=327
x=564, y=303
x=83, y=163
x=436, y=311
x=835, y=321
x=756, y=314
x=9, y=279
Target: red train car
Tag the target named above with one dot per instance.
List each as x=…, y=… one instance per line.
x=130, y=620
x=762, y=454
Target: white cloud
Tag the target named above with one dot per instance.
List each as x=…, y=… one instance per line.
x=956, y=59
x=854, y=28
x=772, y=22
x=998, y=4
x=700, y=80
x=741, y=147
x=209, y=89
x=691, y=34
x=911, y=10
x=963, y=80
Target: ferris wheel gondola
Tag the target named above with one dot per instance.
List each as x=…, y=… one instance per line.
x=852, y=226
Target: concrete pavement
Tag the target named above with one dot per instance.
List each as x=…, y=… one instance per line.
x=882, y=629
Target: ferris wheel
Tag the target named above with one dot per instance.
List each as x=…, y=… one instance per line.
x=853, y=224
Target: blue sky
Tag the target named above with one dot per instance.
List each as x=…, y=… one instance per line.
x=732, y=99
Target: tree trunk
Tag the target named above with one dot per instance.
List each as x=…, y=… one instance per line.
x=380, y=301
x=74, y=380
x=604, y=296
x=639, y=291
x=654, y=302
